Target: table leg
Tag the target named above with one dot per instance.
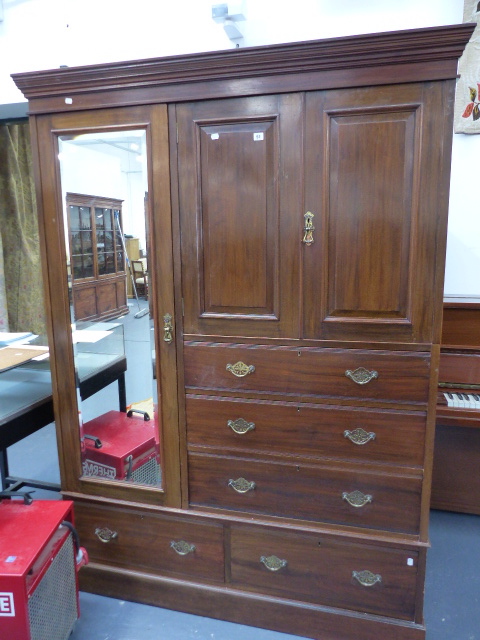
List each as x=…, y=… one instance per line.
x=3, y=468
x=122, y=394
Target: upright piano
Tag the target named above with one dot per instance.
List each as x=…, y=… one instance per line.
x=456, y=463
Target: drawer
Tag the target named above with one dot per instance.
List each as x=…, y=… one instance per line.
x=153, y=543
x=326, y=571
x=396, y=376
x=348, y=433
x=311, y=492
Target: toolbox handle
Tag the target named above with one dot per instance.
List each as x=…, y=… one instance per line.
x=97, y=441
x=26, y=495
x=145, y=415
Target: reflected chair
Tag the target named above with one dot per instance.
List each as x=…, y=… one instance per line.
x=140, y=277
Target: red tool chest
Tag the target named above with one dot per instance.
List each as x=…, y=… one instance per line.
x=122, y=446
x=39, y=561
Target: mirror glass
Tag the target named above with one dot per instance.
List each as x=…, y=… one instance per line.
x=105, y=205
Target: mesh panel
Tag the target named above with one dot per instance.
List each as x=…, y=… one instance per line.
x=52, y=609
x=148, y=473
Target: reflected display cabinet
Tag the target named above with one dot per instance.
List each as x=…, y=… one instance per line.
x=97, y=257
x=297, y=215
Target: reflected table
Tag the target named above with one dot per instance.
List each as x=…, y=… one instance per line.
x=26, y=403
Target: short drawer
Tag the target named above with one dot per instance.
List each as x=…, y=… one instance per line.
x=392, y=376
x=321, y=493
x=154, y=543
x=347, y=433
x=322, y=570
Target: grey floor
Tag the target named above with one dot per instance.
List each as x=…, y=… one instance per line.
x=452, y=593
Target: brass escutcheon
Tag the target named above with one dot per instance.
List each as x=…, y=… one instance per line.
x=273, y=563
x=240, y=369
x=240, y=426
x=167, y=328
x=241, y=485
x=366, y=578
x=359, y=436
x=361, y=375
x=308, y=228
x=182, y=548
x=105, y=534
x=357, y=498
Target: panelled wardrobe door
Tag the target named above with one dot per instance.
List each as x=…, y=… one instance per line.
x=240, y=171
x=370, y=272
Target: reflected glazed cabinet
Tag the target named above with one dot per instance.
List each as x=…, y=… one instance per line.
x=297, y=218
x=97, y=257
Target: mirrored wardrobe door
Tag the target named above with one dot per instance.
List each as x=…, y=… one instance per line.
x=112, y=231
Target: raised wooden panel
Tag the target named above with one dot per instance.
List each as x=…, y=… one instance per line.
x=370, y=273
x=239, y=204
x=106, y=297
x=85, y=303
x=121, y=293
x=240, y=199
x=369, y=226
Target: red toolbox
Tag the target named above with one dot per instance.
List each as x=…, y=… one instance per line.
x=39, y=561
x=122, y=446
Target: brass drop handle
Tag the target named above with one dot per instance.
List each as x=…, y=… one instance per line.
x=240, y=369
x=105, y=534
x=240, y=426
x=361, y=375
x=182, y=548
x=167, y=328
x=359, y=436
x=308, y=228
x=273, y=563
x=241, y=485
x=366, y=578
x=357, y=498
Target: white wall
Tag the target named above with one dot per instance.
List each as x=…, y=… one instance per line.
x=43, y=34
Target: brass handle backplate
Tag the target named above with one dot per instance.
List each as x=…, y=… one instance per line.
x=240, y=369
x=182, y=548
x=105, y=534
x=167, y=328
x=308, y=228
x=366, y=578
x=241, y=485
x=240, y=426
x=357, y=498
x=361, y=375
x=359, y=436
x=273, y=563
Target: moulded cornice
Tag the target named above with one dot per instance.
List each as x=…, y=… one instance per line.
x=414, y=46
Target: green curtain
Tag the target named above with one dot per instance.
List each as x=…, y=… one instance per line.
x=19, y=232
x=3, y=295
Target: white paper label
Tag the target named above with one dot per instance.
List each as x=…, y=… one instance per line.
x=7, y=606
x=215, y=136
x=258, y=136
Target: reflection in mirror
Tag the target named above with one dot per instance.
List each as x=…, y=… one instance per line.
x=105, y=196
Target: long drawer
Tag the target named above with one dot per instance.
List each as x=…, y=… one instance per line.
x=154, y=543
x=394, y=376
x=323, y=493
x=306, y=430
x=324, y=570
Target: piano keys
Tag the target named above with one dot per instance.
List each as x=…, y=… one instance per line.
x=456, y=462
x=462, y=400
